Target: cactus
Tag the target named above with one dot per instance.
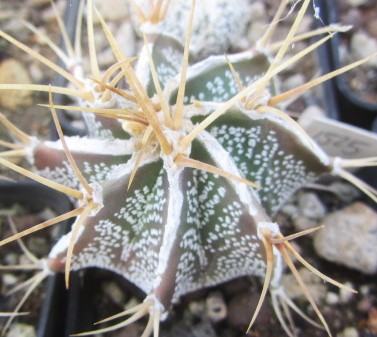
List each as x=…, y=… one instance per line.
x=183, y=169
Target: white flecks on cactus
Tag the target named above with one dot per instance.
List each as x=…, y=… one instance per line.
x=217, y=24
x=187, y=178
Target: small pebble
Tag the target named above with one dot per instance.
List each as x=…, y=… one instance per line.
x=290, y=210
x=302, y=223
x=349, y=332
x=258, y=8
x=350, y=238
x=293, y=81
x=364, y=45
x=344, y=294
x=216, y=309
x=309, y=113
x=23, y=259
x=314, y=284
x=78, y=124
x=36, y=72
x=111, y=10
x=49, y=15
x=21, y=330
x=126, y=39
x=16, y=27
x=114, y=292
x=105, y=58
x=357, y=3
x=197, y=308
x=46, y=214
x=256, y=30
x=39, y=3
x=11, y=259
x=365, y=290
x=332, y=298
x=306, y=24
x=9, y=280
x=311, y=206
x=13, y=72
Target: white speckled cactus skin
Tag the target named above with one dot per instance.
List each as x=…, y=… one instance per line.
x=178, y=229
x=183, y=169
x=217, y=25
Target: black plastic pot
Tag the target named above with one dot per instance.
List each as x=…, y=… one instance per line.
x=88, y=302
x=330, y=101
x=35, y=197
x=340, y=102
x=352, y=109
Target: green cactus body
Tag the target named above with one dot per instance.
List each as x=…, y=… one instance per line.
x=178, y=229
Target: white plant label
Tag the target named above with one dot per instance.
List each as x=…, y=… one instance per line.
x=340, y=139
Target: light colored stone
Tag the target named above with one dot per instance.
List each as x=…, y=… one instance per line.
x=258, y=10
x=105, y=58
x=24, y=259
x=39, y=3
x=216, y=309
x=350, y=238
x=290, y=210
x=315, y=285
x=349, y=332
x=21, y=330
x=310, y=206
x=365, y=290
x=256, y=30
x=114, y=292
x=344, y=294
x=302, y=223
x=197, y=308
x=49, y=15
x=125, y=36
x=111, y=10
x=363, y=45
x=357, y=3
x=11, y=259
x=293, y=81
x=9, y=280
x=16, y=27
x=306, y=24
x=332, y=298
x=12, y=71
x=36, y=72
x=309, y=113
x=100, y=39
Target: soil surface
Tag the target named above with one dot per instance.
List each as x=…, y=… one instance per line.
x=359, y=42
x=13, y=254
x=222, y=311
